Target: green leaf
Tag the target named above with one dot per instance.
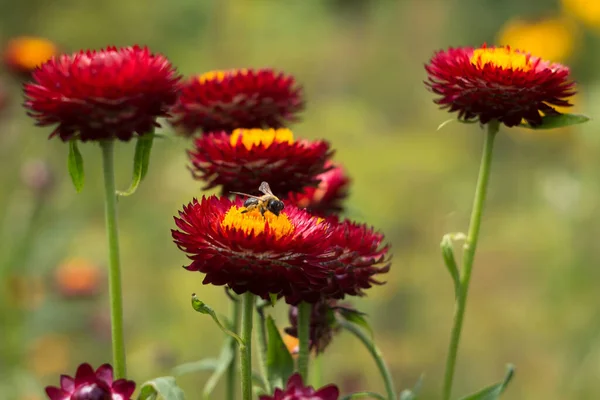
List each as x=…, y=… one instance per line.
x=493, y=392
x=75, y=165
x=161, y=388
x=558, y=121
x=225, y=358
x=141, y=161
x=411, y=394
x=204, y=308
x=273, y=299
x=447, y=246
x=362, y=395
x=357, y=318
x=207, y=364
x=280, y=364
x=443, y=124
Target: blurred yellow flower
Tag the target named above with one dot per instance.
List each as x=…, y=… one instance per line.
x=49, y=355
x=588, y=11
x=26, y=291
x=23, y=54
x=551, y=39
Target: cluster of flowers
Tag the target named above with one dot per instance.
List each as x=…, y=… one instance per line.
x=238, y=121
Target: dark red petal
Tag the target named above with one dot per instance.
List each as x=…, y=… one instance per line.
x=330, y=392
x=105, y=374
x=84, y=375
x=124, y=387
x=55, y=393
x=67, y=383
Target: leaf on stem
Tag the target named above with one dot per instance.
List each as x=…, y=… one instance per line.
x=280, y=364
x=447, y=246
x=225, y=358
x=357, y=318
x=558, y=121
x=161, y=388
x=141, y=162
x=412, y=394
x=75, y=166
x=203, y=308
x=493, y=392
x=206, y=364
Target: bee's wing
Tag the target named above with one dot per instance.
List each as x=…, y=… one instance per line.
x=245, y=194
x=265, y=188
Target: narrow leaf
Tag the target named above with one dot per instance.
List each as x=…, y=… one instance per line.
x=141, y=161
x=558, y=121
x=225, y=358
x=207, y=364
x=450, y=262
x=412, y=394
x=161, y=388
x=362, y=395
x=75, y=166
x=493, y=392
x=280, y=364
x=203, y=308
x=357, y=318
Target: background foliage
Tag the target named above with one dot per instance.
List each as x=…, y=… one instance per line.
x=534, y=295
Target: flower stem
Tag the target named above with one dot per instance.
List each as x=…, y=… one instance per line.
x=246, y=348
x=261, y=334
x=114, y=273
x=232, y=369
x=469, y=254
x=376, y=354
x=304, y=311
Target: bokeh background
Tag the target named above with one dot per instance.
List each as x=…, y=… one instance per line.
x=534, y=299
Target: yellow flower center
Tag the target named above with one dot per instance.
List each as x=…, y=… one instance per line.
x=502, y=57
x=30, y=52
x=219, y=75
x=266, y=137
x=253, y=222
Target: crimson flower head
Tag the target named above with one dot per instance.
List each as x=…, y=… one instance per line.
x=91, y=385
x=323, y=325
x=106, y=94
x=295, y=255
x=242, y=98
x=295, y=390
x=241, y=161
x=325, y=199
x=498, y=83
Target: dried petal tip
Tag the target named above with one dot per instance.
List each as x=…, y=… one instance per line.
x=294, y=255
x=91, y=385
x=106, y=94
x=244, y=98
x=25, y=53
x=325, y=199
x=241, y=161
x=296, y=390
x=498, y=83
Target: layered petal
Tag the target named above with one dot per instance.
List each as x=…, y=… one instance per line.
x=296, y=390
x=295, y=255
x=498, y=83
x=241, y=161
x=105, y=94
x=244, y=98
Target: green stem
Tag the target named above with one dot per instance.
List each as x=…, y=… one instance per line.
x=317, y=372
x=246, y=348
x=232, y=369
x=261, y=333
x=114, y=273
x=469, y=255
x=376, y=354
x=304, y=311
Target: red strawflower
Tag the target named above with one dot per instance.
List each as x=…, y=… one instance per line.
x=241, y=161
x=106, y=94
x=326, y=198
x=244, y=98
x=322, y=324
x=295, y=255
x=24, y=54
x=295, y=390
x=90, y=385
x=498, y=83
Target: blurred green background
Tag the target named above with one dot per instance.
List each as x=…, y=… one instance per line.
x=534, y=299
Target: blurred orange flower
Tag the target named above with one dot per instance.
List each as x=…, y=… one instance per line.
x=49, y=354
x=23, y=54
x=77, y=277
x=550, y=39
x=587, y=11
x=291, y=343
